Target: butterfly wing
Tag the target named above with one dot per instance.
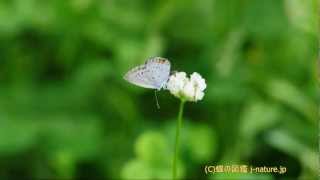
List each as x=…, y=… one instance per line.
x=139, y=76
x=157, y=71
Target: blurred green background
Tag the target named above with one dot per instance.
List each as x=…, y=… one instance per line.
x=66, y=112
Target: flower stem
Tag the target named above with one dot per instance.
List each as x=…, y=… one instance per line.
x=175, y=157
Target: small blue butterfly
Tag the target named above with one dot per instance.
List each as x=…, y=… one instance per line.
x=154, y=74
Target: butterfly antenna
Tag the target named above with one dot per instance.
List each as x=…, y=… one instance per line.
x=155, y=94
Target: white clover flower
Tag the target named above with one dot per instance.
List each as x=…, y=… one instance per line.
x=177, y=82
x=189, y=89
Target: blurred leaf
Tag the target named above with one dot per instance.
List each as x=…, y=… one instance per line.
x=230, y=53
x=153, y=159
x=64, y=163
x=201, y=141
x=123, y=103
x=151, y=143
x=79, y=136
x=129, y=53
x=9, y=23
x=154, y=45
x=136, y=169
x=262, y=24
x=196, y=15
x=223, y=91
x=257, y=117
x=92, y=73
x=17, y=134
x=286, y=93
x=288, y=144
x=303, y=14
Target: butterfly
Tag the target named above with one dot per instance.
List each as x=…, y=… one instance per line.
x=153, y=74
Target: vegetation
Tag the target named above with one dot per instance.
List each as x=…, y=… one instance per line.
x=66, y=112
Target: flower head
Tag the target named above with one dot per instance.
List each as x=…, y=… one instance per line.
x=189, y=89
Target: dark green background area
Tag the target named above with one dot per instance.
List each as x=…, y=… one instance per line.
x=66, y=112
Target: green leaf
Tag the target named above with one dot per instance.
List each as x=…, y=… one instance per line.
x=79, y=136
x=201, y=142
x=258, y=116
x=152, y=147
x=290, y=145
x=292, y=96
x=303, y=14
x=17, y=134
x=136, y=169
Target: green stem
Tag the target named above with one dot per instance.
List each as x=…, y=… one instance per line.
x=175, y=157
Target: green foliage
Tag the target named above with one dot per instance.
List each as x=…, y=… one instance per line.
x=152, y=147
x=66, y=112
x=153, y=159
x=201, y=142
